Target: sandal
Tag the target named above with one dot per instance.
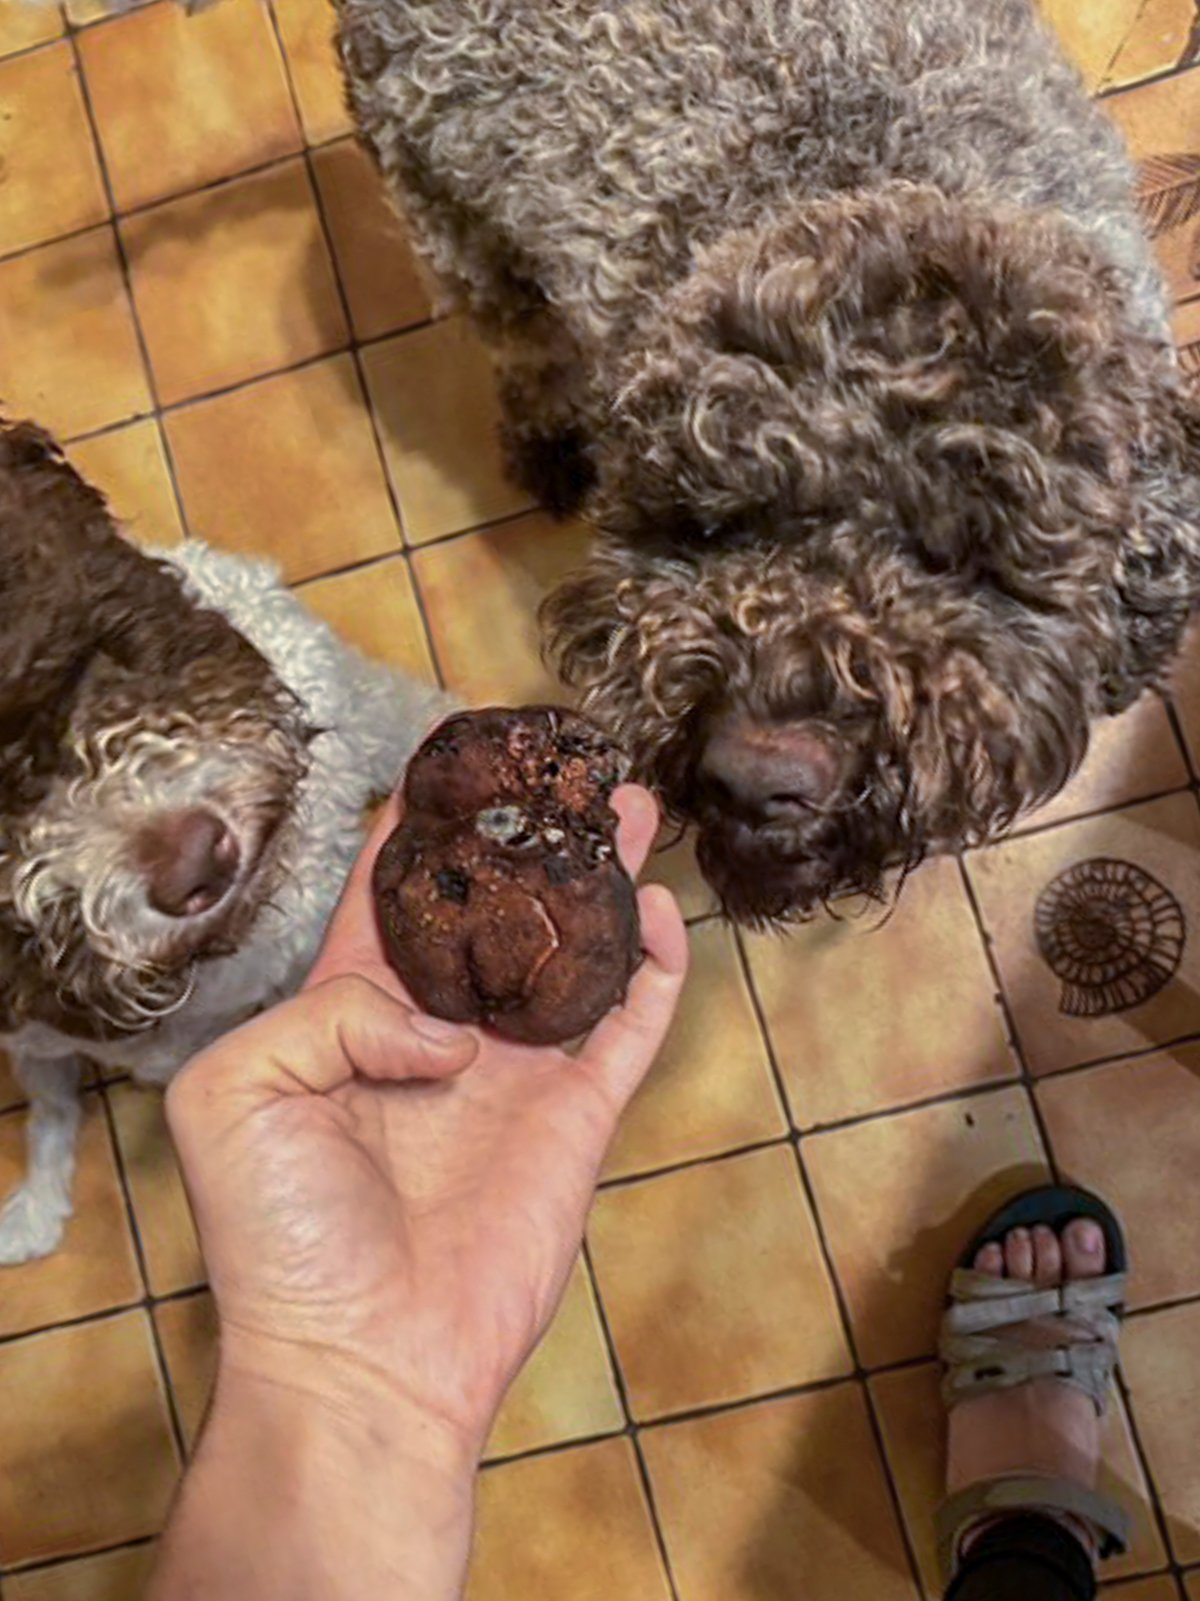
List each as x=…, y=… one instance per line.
x=982, y=1350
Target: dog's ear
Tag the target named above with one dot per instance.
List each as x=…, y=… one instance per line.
x=48, y=519
x=985, y=738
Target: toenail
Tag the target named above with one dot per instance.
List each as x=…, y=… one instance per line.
x=1089, y=1239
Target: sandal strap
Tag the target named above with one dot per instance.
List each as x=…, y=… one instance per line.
x=1028, y=1492
x=982, y=1347
x=984, y=1301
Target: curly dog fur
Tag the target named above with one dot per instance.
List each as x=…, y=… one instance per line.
x=185, y=756
x=837, y=320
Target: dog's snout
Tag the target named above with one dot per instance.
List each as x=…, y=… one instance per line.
x=768, y=771
x=189, y=860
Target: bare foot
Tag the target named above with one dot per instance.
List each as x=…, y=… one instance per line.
x=1045, y=1426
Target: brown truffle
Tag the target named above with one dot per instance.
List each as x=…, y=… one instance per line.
x=500, y=896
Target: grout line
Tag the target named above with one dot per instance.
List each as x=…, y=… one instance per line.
x=631, y=1427
x=1008, y=1012
x=1176, y=722
x=1034, y=829
x=127, y=283
x=64, y=1325
x=625, y=1181
x=1151, y=80
x=42, y=1565
x=356, y=347
x=1124, y=40
x=830, y=1265
x=23, y=52
x=1157, y=1510
x=160, y=1358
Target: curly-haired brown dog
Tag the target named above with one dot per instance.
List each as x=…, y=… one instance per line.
x=836, y=318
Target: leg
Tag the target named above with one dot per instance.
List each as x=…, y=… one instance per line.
x=32, y=1218
x=1023, y=1521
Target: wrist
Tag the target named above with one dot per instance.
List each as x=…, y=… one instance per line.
x=336, y=1397
x=321, y=1486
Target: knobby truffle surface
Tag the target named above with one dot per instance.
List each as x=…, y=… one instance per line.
x=500, y=896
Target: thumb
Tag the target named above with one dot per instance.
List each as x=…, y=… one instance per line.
x=342, y=1029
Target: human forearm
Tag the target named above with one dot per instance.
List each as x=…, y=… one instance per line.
x=313, y=1496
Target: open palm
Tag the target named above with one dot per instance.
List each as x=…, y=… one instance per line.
x=409, y=1202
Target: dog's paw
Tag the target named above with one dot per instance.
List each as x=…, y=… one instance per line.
x=31, y=1225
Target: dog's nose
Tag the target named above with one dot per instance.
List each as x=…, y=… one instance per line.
x=189, y=859
x=768, y=771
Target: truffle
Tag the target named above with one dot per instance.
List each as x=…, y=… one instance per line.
x=500, y=896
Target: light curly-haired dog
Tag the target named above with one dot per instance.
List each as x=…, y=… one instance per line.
x=836, y=318
x=185, y=758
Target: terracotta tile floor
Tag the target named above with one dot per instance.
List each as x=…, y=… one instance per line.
x=737, y=1400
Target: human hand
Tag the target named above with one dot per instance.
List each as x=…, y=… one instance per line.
x=390, y=1206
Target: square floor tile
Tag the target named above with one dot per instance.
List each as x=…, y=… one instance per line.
x=481, y=597
x=1160, y=1357
x=1165, y=37
x=115, y=1576
x=52, y=181
x=164, y=1218
x=1129, y=758
x=1091, y=34
x=71, y=357
x=1085, y=919
x=912, y=1420
x=23, y=27
x=573, y=1526
x=567, y=1390
x=307, y=28
x=875, y=1011
x=1128, y=1130
x=435, y=398
x=94, y=1268
x=130, y=466
x=375, y=260
x=86, y=1454
x=182, y=97
x=1161, y=124
x=714, y=1286
x=375, y=609
x=234, y=282
x=1191, y=1585
x=710, y=1089
x=899, y=1198
x=287, y=468
x=187, y=1330
x=777, y=1501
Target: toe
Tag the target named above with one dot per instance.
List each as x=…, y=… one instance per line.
x=1018, y=1254
x=990, y=1259
x=1047, y=1256
x=1083, y=1248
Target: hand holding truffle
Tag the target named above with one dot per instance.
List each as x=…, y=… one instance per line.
x=390, y=1205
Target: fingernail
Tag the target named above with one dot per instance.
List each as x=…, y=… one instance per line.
x=437, y=1029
